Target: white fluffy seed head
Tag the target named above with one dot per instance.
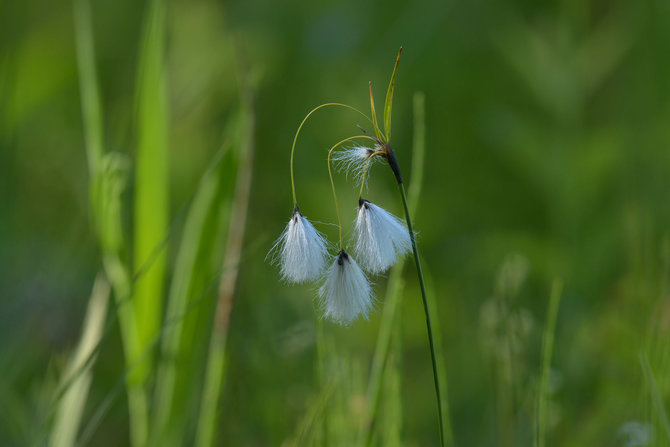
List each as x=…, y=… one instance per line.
x=353, y=160
x=379, y=237
x=300, y=251
x=346, y=293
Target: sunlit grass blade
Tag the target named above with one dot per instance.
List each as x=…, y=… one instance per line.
x=388, y=103
x=90, y=100
x=389, y=319
x=215, y=367
x=151, y=183
x=78, y=374
x=189, y=315
x=112, y=180
x=547, y=349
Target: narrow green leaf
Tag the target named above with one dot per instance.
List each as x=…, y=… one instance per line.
x=388, y=103
x=374, y=114
x=90, y=100
x=151, y=183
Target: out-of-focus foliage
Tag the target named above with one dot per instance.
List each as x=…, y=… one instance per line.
x=547, y=156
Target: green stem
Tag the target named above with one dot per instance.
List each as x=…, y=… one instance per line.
x=365, y=171
x=295, y=139
x=547, y=348
x=332, y=182
x=429, y=326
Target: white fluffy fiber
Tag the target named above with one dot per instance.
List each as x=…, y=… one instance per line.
x=352, y=160
x=379, y=238
x=301, y=250
x=346, y=293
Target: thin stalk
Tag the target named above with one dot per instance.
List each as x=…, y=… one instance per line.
x=365, y=171
x=295, y=139
x=429, y=326
x=332, y=182
x=547, y=348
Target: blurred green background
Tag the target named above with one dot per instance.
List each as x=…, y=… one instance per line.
x=547, y=157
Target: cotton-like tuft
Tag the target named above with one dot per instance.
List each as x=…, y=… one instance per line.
x=300, y=251
x=353, y=160
x=379, y=237
x=346, y=293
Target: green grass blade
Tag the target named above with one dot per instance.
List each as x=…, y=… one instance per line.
x=547, y=348
x=656, y=397
x=112, y=181
x=151, y=182
x=373, y=113
x=107, y=174
x=191, y=302
x=90, y=100
x=442, y=367
x=388, y=103
x=389, y=432
x=215, y=371
x=78, y=373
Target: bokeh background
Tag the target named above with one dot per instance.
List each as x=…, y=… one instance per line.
x=547, y=161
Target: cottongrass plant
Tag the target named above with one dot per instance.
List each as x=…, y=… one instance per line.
x=380, y=237
x=346, y=293
x=301, y=250
x=379, y=240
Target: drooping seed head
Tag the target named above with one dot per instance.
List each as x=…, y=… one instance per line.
x=353, y=160
x=300, y=251
x=379, y=237
x=346, y=293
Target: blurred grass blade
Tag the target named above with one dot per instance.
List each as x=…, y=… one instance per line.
x=215, y=372
x=151, y=184
x=108, y=178
x=390, y=427
x=390, y=319
x=442, y=367
x=191, y=301
x=388, y=103
x=547, y=348
x=339, y=370
x=90, y=100
x=308, y=427
x=113, y=179
x=656, y=397
x=78, y=372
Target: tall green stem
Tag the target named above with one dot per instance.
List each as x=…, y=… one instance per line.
x=429, y=326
